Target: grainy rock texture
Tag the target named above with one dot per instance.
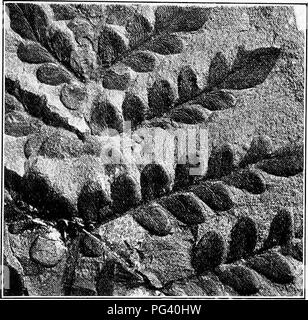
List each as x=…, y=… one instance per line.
x=85, y=213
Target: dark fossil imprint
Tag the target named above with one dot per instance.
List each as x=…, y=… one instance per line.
x=60, y=51
x=97, y=228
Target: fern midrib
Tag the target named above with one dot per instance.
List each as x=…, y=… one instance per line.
x=206, y=90
x=128, y=52
x=156, y=33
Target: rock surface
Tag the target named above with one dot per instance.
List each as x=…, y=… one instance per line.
x=75, y=73
x=47, y=251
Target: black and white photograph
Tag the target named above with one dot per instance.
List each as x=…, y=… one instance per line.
x=153, y=150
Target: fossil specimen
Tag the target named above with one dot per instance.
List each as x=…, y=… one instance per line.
x=81, y=208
